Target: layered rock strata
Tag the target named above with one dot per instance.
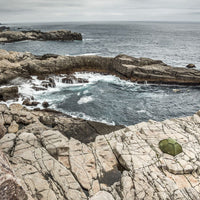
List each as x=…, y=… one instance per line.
x=52, y=162
x=141, y=70
x=14, y=36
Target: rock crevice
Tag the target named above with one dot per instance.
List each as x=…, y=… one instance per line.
x=53, y=165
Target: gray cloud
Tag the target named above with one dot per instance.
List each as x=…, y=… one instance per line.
x=89, y=10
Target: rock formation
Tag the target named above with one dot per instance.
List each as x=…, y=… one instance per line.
x=57, y=157
x=190, y=66
x=7, y=93
x=16, y=64
x=3, y=28
x=14, y=36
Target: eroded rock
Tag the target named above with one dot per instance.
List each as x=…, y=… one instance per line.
x=10, y=187
x=124, y=164
x=141, y=70
x=14, y=36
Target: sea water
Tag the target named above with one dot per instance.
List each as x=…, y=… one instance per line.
x=106, y=98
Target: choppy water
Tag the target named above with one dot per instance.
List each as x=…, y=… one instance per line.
x=176, y=44
x=107, y=98
x=111, y=100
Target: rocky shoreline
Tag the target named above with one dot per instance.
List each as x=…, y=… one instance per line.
x=49, y=155
x=52, y=156
x=15, y=36
x=141, y=70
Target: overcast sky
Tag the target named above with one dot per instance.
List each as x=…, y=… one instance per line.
x=101, y=10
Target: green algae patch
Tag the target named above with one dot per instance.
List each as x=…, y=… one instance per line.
x=170, y=146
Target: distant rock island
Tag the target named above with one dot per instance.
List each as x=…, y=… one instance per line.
x=14, y=36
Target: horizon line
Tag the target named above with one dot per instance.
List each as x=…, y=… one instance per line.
x=107, y=21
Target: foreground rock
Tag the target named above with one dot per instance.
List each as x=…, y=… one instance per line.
x=16, y=64
x=10, y=187
x=125, y=164
x=14, y=36
x=7, y=93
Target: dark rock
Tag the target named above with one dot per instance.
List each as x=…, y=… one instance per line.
x=47, y=84
x=27, y=102
x=191, y=66
x=82, y=80
x=45, y=104
x=8, y=93
x=46, y=56
x=70, y=79
x=52, y=81
x=3, y=28
x=35, y=103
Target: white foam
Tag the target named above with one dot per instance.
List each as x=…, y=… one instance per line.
x=87, y=117
x=95, y=77
x=88, y=54
x=85, y=92
x=85, y=99
x=53, y=96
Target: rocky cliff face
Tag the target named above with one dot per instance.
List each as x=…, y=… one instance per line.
x=16, y=64
x=52, y=161
x=14, y=36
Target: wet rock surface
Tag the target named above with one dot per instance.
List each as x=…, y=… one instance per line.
x=190, y=66
x=14, y=36
x=53, y=162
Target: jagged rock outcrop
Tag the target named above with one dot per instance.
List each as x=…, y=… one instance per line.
x=14, y=36
x=16, y=64
x=124, y=164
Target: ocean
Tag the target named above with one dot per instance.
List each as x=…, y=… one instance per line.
x=107, y=98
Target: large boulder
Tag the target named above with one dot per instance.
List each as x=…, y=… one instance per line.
x=7, y=93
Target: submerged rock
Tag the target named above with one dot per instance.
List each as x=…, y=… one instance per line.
x=45, y=104
x=70, y=79
x=191, y=66
x=28, y=102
